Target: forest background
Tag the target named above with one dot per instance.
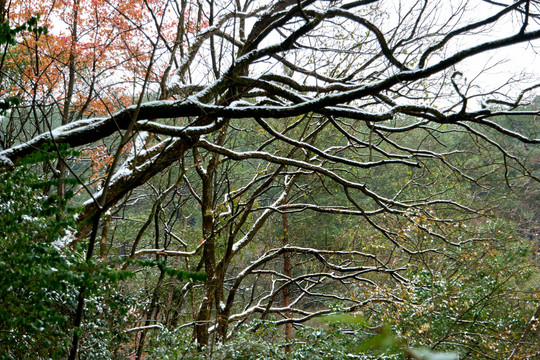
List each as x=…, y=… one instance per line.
x=269, y=179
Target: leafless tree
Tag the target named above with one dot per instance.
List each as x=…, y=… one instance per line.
x=294, y=107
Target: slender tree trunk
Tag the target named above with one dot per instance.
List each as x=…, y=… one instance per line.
x=103, y=250
x=203, y=316
x=152, y=313
x=174, y=282
x=61, y=166
x=82, y=292
x=150, y=316
x=286, y=291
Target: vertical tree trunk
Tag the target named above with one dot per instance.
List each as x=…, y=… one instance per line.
x=152, y=313
x=213, y=293
x=77, y=322
x=174, y=282
x=203, y=316
x=287, y=273
x=103, y=250
x=61, y=166
x=151, y=316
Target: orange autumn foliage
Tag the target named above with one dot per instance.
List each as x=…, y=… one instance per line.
x=95, y=54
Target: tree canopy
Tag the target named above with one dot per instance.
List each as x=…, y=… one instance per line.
x=371, y=166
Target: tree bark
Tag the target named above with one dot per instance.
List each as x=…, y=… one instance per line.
x=286, y=290
x=203, y=316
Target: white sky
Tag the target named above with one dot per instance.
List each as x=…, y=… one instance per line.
x=492, y=69
x=489, y=70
